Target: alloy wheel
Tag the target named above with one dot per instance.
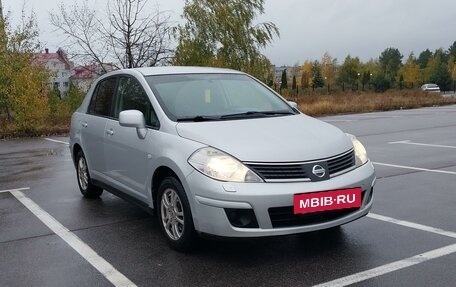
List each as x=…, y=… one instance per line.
x=83, y=175
x=172, y=214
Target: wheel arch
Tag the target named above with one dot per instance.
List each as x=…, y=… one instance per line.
x=74, y=152
x=159, y=174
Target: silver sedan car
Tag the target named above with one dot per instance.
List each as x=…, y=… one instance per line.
x=215, y=151
x=430, y=88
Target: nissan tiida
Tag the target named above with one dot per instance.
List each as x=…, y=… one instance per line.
x=217, y=152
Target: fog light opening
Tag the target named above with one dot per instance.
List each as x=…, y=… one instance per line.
x=242, y=218
x=371, y=195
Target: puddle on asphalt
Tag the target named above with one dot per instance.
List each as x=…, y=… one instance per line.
x=25, y=165
x=34, y=153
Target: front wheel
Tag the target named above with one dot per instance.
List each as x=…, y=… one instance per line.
x=86, y=187
x=174, y=215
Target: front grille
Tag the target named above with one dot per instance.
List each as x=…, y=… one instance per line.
x=297, y=171
x=284, y=216
x=292, y=171
x=341, y=163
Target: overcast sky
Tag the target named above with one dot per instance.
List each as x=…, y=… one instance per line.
x=309, y=28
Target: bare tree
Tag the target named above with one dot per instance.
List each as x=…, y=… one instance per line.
x=137, y=40
x=126, y=36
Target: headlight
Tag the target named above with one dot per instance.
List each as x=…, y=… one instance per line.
x=360, y=151
x=221, y=166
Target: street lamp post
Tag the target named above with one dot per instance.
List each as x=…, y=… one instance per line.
x=370, y=80
x=327, y=83
x=357, y=83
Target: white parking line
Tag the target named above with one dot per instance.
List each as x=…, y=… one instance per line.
x=412, y=225
x=409, y=142
x=56, y=141
x=391, y=267
x=374, y=116
x=355, y=118
x=118, y=279
x=400, y=264
x=339, y=121
x=104, y=267
x=415, y=168
x=9, y=190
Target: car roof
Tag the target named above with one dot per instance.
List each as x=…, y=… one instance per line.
x=167, y=70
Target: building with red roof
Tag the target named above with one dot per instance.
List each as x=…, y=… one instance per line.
x=60, y=67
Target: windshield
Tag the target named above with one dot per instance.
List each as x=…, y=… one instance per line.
x=198, y=97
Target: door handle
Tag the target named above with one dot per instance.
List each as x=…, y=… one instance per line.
x=110, y=132
x=84, y=124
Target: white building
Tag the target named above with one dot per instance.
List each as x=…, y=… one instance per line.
x=60, y=67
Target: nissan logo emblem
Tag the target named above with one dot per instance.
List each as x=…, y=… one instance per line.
x=318, y=170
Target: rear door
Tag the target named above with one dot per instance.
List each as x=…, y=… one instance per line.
x=94, y=123
x=126, y=155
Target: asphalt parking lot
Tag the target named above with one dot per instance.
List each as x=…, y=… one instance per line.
x=51, y=236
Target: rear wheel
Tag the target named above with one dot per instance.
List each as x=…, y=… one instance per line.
x=174, y=215
x=86, y=187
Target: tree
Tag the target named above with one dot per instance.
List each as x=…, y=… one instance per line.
x=3, y=24
x=432, y=66
x=328, y=68
x=372, y=66
x=401, y=81
x=423, y=58
x=293, y=83
x=223, y=34
x=411, y=70
x=348, y=71
x=75, y=97
x=452, y=50
x=23, y=97
x=283, y=80
x=1, y=14
x=442, y=55
x=127, y=35
x=380, y=83
x=295, y=71
x=306, y=78
x=452, y=69
x=365, y=78
x=317, y=78
x=390, y=62
x=442, y=77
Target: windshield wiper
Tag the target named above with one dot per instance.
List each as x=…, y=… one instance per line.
x=199, y=119
x=257, y=114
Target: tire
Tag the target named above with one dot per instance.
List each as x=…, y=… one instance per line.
x=174, y=215
x=86, y=187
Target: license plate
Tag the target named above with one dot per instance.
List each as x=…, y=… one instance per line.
x=327, y=200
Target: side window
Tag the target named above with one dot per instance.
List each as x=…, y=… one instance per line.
x=101, y=102
x=131, y=96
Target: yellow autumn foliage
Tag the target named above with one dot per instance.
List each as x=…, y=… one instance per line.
x=27, y=106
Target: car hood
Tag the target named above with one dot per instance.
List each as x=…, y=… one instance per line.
x=274, y=139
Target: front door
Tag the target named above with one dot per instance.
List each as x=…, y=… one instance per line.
x=127, y=156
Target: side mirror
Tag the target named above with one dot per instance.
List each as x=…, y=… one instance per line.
x=134, y=119
x=294, y=105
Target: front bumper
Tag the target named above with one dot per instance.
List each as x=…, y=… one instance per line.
x=209, y=199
